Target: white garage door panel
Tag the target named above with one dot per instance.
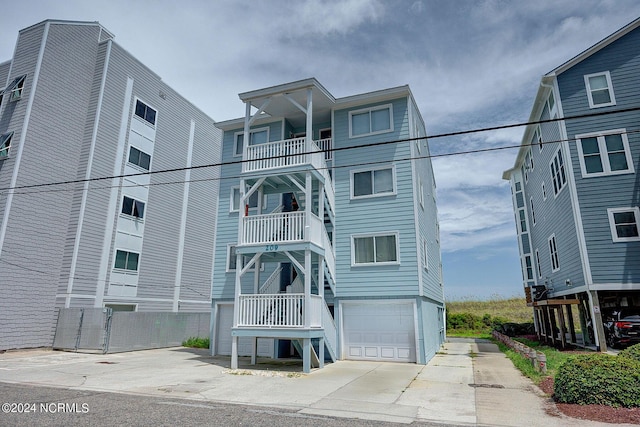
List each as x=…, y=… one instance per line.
x=223, y=347
x=379, y=331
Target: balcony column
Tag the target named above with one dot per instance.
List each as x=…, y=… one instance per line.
x=256, y=288
x=307, y=288
x=321, y=275
x=309, y=125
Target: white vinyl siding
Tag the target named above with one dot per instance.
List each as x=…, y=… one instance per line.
x=371, y=121
x=605, y=153
x=599, y=89
x=375, y=249
x=625, y=224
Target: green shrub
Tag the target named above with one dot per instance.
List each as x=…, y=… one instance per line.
x=599, y=379
x=196, y=342
x=464, y=321
x=632, y=352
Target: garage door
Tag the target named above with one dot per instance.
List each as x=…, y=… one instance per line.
x=223, y=347
x=383, y=331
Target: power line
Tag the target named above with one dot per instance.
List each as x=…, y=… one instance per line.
x=351, y=147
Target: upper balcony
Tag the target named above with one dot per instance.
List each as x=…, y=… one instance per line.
x=289, y=153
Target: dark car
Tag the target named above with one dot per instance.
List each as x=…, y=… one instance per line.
x=622, y=327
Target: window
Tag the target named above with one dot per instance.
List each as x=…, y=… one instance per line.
x=599, y=89
x=557, y=172
x=538, y=139
x=5, y=144
x=421, y=190
x=127, y=260
x=553, y=252
x=371, y=121
x=624, y=224
x=376, y=182
x=139, y=158
x=538, y=265
x=523, y=221
x=132, y=207
x=529, y=267
x=533, y=212
x=604, y=153
x=145, y=112
x=374, y=249
x=544, y=192
x=232, y=258
x=258, y=136
x=235, y=200
x=425, y=255
x=551, y=102
x=14, y=89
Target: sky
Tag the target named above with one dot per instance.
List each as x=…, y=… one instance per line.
x=469, y=64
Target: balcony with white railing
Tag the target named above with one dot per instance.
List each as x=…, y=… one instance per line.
x=283, y=154
x=278, y=311
x=283, y=227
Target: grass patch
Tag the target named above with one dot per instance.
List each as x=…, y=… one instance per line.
x=476, y=319
x=195, y=342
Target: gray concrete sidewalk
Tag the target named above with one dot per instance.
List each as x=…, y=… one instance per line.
x=466, y=383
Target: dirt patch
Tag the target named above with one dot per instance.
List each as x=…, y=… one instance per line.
x=601, y=413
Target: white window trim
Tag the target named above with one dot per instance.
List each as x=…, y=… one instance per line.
x=538, y=137
x=527, y=267
x=135, y=165
x=364, y=110
x=226, y=267
x=609, y=86
x=421, y=190
x=604, y=158
x=555, y=241
x=237, y=187
x=563, y=185
x=612, y=224
x=236, y=134
x=538, y=264
x=370, y=264
x=533, y=212
x=544, y=191
x=142, y=119
x=368, y=196
x=425, y=255
x=553, y=111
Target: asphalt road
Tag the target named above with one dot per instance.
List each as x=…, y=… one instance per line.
x=44, y=406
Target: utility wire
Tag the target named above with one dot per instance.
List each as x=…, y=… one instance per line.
x=351, y=147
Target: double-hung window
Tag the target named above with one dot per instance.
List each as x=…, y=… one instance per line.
x=374, y=249
x=5, y=144
x=257, y=136
x=538, y=264
x=529, y=267
x=605, y=153
x=558, y=174
x=145, y=112
x=371, y=183
x=132, y=207
x=371, y=121
x=235, y=199
x=625, y=224
x=139, y=158
x=126, y=260
x=599, y=89
x=553, y=252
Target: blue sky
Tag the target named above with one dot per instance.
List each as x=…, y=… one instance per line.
x=470, y=64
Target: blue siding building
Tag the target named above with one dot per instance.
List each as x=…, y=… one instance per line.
x=576, y=191
x=327, y=235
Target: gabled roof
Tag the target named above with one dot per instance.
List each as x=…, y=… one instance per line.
x=547, y=80
x=595, y=48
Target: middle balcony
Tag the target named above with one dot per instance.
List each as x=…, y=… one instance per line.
x=283, y=154
x=281, y=228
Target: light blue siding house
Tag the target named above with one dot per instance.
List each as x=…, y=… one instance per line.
x=327, y=235
x=576, y=190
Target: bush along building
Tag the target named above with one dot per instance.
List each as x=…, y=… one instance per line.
x=576, y=194
x=76, y=107
x=327, y=237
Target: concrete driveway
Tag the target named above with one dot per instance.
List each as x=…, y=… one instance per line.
x=468, y=382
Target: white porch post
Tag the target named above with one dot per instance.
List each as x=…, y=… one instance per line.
x=256, y=287
x=321, y=353
x=321, y=276
x=309, y=124
x=307, y=288
x=306, y=355
x=234, y=352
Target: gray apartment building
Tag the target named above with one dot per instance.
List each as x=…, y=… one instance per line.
x=105, y=197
